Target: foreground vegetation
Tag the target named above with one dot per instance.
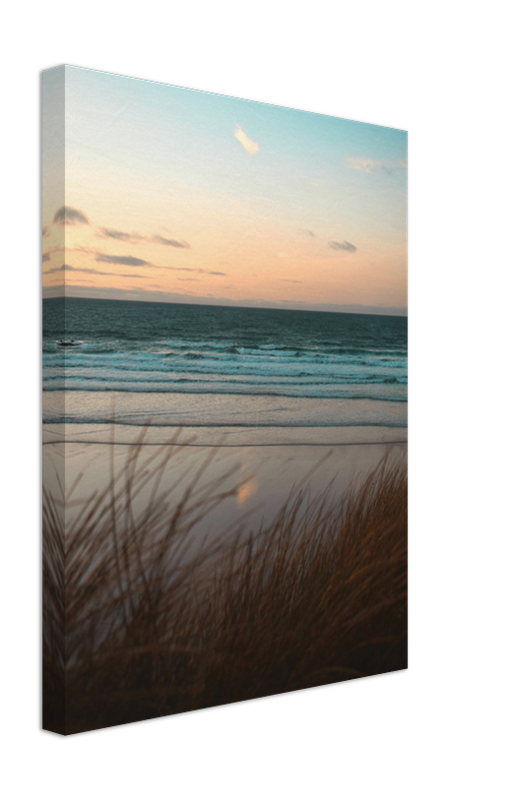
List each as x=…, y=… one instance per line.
x=147, y=620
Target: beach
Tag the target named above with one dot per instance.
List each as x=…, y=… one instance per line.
x=265, y=475
x=276, y=395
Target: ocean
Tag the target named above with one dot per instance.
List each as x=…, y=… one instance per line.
x=237, y=371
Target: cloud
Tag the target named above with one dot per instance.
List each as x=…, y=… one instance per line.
x=370, y=165
x=126, y=261
x=363, y=164
x=290, y=280
x=50, y=252
x=307, y=232
x=169, y=242
x=68, y=268
x=79, y=249
x=196, y=270
x=120, y=236
x=63, y=268
x=45, y=231
x=130, y=261
x=349, y=248
x=247, y=143
x=70, y=216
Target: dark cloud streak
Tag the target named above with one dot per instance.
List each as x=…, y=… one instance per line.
x=197, y=270
x=68, y=268
x=70, y=216
x=169, y=242
x=126, y=261
x=349, y=248
x=120, y=236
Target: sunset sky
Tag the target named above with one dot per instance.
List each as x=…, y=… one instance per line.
x=179, y=195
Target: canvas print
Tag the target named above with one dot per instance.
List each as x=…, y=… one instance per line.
x=224, y=400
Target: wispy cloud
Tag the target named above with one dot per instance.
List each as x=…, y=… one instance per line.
x=248, y=144
x=196, y=270
x=131, y=261
x=169, y=242
x=308, y=232
x=120, y=236
x=349, y=248
x=66, y=268
x=79, y=249
x=134, y=238
x=70, y=216
x=362, y=164
x=126, y=261
x=69, y=268
x=45, y=231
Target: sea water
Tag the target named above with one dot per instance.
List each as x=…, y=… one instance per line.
x=243, y=371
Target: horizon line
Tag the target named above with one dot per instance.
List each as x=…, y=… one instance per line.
x=347, y=308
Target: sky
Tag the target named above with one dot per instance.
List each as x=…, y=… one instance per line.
x=177, y=195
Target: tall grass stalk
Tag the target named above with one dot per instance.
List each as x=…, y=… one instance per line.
x=142, y=618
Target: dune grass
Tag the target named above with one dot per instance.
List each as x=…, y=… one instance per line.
x=142, y=619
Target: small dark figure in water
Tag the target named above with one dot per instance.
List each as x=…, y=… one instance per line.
x=67, y=344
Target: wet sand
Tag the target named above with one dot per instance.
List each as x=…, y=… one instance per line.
x=262, y=476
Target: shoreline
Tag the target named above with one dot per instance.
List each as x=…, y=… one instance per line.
x=225, y=436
